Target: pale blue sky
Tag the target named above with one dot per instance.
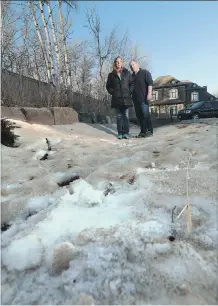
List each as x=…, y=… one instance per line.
x=180, y=38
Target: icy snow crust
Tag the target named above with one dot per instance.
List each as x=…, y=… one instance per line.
x=103, y=239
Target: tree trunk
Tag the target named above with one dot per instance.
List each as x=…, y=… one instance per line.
x=67, y=67
x=57, y=50
x=31, y=6
x=2, y=32
x=36, y=65
x=50, y=55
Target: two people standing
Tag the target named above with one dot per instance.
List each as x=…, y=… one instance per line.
x=127, y=89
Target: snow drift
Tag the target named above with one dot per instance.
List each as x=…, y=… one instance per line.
x=103, y=238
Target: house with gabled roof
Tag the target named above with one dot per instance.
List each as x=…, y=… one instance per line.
x=171, y=94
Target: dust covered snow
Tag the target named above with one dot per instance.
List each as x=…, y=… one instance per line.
x=90, y=224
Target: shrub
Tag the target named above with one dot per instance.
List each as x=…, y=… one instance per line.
x=8, y=137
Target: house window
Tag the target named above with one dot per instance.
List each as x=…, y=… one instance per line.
x=173, y=93
x=173, y=110
x=155, y=95
x=194, y=96
x=162, y=109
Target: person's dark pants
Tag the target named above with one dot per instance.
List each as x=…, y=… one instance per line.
x=143, y=116
x=122, y=114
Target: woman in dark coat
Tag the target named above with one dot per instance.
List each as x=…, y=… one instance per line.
x=120, y=86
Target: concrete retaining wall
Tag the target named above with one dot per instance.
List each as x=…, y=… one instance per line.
x=64, y=115
x=38, y=115
x=12, y=113
x=67, y=115
x=45, y=116
x=6, y=112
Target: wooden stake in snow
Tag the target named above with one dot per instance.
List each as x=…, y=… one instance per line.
x=187, y=206
x=48, y=144
x=188, y=210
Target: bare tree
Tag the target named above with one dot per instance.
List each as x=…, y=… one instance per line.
x=102, y=48
x=139, y=56
x=66, y=72
x=36, y=67
x=9, y=35
x=123, y=48
x=81, y=65
x=4, y=15
x=49, y=45
x=37, y=28
x=22, y=55
x=55, y=40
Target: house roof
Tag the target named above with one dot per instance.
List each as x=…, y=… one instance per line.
x=162, y=80
x=208, y=95
x=166, y=81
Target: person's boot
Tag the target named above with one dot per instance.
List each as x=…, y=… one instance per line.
x=120, y=136
x=149, y=134
x=141, y=135
x=143, y=128
x=126, y=136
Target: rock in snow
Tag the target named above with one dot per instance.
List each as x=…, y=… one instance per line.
x=86, y=300
x=87, y=196
x=62, y=255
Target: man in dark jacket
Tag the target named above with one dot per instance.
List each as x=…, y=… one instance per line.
x=120, y=86
x=142, y=94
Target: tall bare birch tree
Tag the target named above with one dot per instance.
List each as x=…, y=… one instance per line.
x=49, y=46
x=67, y=71
x=32, y=10
x=55, y=40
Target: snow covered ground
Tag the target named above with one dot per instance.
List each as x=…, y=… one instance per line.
x=103, y=239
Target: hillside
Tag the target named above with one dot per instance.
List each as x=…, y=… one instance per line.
x=104, y=238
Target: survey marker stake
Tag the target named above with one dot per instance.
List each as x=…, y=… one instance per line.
x=187, y=206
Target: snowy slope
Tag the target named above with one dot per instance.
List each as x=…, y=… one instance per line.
x=103, y=239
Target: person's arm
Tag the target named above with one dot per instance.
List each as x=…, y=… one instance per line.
x=149, y=95
x=109, y=85
x=131, y=83
x=149, y=83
